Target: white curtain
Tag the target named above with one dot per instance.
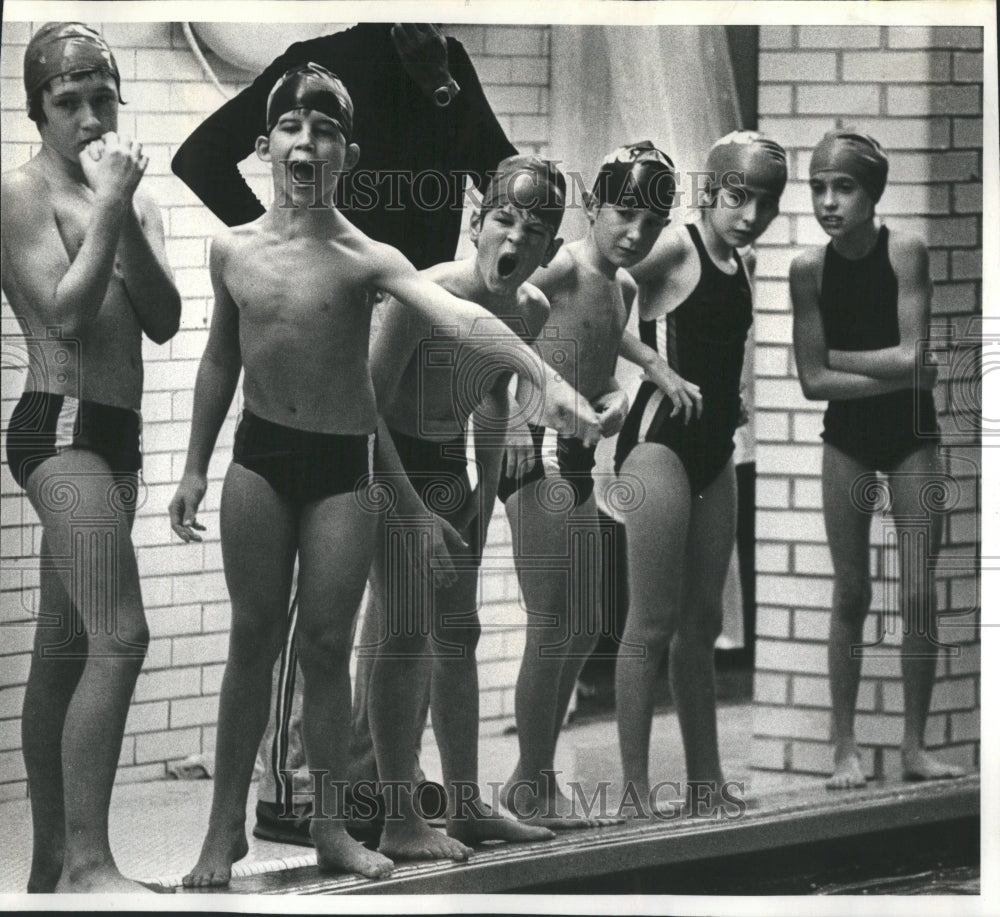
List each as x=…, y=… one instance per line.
x=673, y=85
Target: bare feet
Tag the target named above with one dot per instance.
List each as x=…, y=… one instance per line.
x=412, y=838
x=919, y=764
x=480, y=823
x=105, y=879
x=847, y=773
x=45, y=872
x=337, y=851
x=555, y=811
x=218, y=853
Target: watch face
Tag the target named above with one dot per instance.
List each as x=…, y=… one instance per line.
x=442, y=96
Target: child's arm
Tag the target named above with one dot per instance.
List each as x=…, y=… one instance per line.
x=908, y=256
x=406, y=504
x=820, y=382
x=684, y=396
x=563, y=408
x=667, y=255
x=215, y=384
x=147, y=276
x=64, y=294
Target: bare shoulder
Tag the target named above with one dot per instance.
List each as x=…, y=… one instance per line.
x=808, y=263
x=533, y=304
x=24, y=194
x=559, y=273
x=627, y=285
x=907, y=252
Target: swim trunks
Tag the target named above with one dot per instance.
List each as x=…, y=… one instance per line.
x=302, y=465
x=858, y=304
x=44, y=425
x=704, y=340
x=574, y=463
x=439, y=472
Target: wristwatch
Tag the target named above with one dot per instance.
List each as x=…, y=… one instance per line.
x=445, y=93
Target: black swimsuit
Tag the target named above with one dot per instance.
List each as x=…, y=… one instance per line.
x=858, y=303
x=705, y=341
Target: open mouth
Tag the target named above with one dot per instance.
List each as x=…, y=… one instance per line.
x=302, y=171
x=506, y=265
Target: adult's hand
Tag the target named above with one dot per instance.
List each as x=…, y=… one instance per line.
x=424, y=53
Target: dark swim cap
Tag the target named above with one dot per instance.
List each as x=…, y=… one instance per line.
x=65, y=48
x=528, y=183
x=316, y=88
x=639, y=176
x=857, y=155
x=762, y=162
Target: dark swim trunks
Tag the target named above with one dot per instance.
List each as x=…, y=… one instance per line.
x=301, y=465
x=574, y=464
x=439, y=472
x=858, y=302
x=704, y=342
x=44, y=425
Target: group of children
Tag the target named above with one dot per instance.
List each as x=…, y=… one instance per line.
x=352, y=461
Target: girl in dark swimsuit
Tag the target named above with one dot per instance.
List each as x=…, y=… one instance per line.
x=680, y=535
x=861, y=307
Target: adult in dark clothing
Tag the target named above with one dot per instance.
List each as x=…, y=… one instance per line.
x=398, y=78
x=423, y=124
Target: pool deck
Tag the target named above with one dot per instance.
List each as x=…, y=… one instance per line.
x=157, y=827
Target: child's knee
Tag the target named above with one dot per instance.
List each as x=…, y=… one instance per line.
x=852, y=599
x=253, y=636
x=655, y=634
x=703, y=623
x=326, y=646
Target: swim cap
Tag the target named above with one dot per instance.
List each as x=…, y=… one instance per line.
x=316, y=88
x=528, y=183
x=64, y=48
x=637, y=175
x=762, y=162
x=857, y=155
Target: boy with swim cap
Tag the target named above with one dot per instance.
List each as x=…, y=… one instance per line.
x=293, y=301
x=695, y=307
x=861, y=307
x=551, y=504
x=85, y=272
x=427, y=398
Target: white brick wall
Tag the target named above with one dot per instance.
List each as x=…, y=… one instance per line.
x=919, y=91
x=183, y=587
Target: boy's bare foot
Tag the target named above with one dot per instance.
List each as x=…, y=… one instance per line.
x=919, y=764
x=555, y=812
x=480, y=823
x=45, y=873
x=105, y=879
x=337, y=851
x=413, y=839
x=215, y=865
x=847, y=773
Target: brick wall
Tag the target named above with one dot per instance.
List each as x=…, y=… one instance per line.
x=176, y=698
x=919, y=91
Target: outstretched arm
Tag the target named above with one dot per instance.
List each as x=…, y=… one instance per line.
x=818, y=380
x=215, y=384
x=564, y=409
x=684, y=396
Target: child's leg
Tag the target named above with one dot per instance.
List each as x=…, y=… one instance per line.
x=918, y=551
x=336, y=544
x=848, y=529
x=56, y=666
x=656, y=538
x=455, y=716
x=560, y=631
x=258, y=553
x=398, y=682
x=711, y=535
x=86, y=517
